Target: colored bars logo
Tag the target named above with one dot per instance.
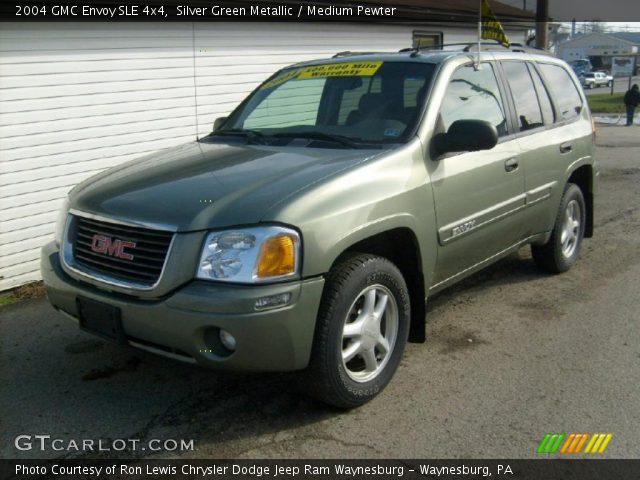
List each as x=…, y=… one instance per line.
x=573, y=443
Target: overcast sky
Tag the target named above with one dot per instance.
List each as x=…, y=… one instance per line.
x=627, y=11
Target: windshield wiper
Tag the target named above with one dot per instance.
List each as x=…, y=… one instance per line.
x=342, y=140
x=252, y=135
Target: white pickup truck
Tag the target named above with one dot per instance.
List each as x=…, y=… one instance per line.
x=596, y=79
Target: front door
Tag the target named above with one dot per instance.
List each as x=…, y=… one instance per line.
x=479, y=196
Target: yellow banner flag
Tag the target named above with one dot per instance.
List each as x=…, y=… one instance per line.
x=491, y=27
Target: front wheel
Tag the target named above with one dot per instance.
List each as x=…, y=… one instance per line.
x=361, y=331
x=563, y=248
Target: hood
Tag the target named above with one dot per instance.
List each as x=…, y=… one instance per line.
x=200, y=186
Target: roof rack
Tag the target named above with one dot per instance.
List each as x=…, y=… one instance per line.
x=465, y=47
x=348, y=53
x=490, y=46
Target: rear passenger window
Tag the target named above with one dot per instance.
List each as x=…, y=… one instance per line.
x=524, y=95
x=474, y=95
x=564, y=91
x=543, y=97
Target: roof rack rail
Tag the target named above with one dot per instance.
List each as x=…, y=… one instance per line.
x=490, y=46
x=348, y=53
x=439, y=46
x=518, y=47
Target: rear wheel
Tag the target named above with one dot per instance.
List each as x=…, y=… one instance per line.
x=563, y=248
x=361, y=331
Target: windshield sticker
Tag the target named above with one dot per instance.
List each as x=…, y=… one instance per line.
x=281, y=79
x=347, y=69
x=392, y=132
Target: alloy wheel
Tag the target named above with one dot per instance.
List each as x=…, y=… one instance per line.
x=369, y=333
x=570, y=228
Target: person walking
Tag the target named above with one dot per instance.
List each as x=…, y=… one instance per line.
x=631, y=101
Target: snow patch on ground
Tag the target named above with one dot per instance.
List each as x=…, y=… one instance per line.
x=614, y=119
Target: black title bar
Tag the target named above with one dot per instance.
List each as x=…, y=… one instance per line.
x=239, y=10
x=547, y=469
x=393, y=11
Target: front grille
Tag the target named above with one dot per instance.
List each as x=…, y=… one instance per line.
x=132, y=254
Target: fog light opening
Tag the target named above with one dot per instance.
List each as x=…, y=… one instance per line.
x=273, y=301
x=228, y=340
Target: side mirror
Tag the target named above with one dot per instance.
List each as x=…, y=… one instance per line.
x=218, y=122
x=467, y=136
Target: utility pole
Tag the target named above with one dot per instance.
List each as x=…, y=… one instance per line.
x=542, y=19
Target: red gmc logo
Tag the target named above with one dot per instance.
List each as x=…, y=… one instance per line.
x=112, y=246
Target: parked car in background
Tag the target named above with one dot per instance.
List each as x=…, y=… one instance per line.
x=606, y=73
x=596, y=79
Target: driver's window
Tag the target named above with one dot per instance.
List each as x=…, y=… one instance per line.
x=474, y=95
x=293, y=103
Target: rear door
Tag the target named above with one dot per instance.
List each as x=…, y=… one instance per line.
x=478, y=195
x=547, y=132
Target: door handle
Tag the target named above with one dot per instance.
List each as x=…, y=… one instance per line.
x=566, y=148
x=511, y=164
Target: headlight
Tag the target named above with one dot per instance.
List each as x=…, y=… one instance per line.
x=250, y=255
x=61, y=223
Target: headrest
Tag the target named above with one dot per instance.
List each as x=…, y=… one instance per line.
x=370, y=101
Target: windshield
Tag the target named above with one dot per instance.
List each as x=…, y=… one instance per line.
x=349, y=103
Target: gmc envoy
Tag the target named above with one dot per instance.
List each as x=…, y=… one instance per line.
x=308, y=229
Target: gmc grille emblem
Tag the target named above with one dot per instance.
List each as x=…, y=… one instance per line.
x=113, y=247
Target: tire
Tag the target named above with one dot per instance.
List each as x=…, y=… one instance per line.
x=563, y=248
x=349, y=365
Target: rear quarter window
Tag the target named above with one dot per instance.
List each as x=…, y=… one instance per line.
x=565, y=92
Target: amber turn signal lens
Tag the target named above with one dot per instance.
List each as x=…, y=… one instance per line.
x=278, y=256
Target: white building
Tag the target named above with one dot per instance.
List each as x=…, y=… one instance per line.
x=599, y=47
x=78, y=98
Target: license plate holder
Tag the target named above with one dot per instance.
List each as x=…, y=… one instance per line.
x=101, y=319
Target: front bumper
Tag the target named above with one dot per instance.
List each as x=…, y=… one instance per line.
x=183, y=323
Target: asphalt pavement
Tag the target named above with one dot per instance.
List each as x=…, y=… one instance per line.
x=512, y=353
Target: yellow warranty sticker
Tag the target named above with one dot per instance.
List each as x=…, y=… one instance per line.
x=346, y=69
x=281, y=79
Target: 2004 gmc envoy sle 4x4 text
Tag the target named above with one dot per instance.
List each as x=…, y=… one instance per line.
x=307, y=230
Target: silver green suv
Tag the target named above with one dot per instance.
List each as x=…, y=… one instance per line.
x=307, y=231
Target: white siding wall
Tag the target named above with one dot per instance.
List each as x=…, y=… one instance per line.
x=78, y=98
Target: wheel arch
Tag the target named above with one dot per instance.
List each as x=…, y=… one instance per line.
x=400, y=246
x=583, y=178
